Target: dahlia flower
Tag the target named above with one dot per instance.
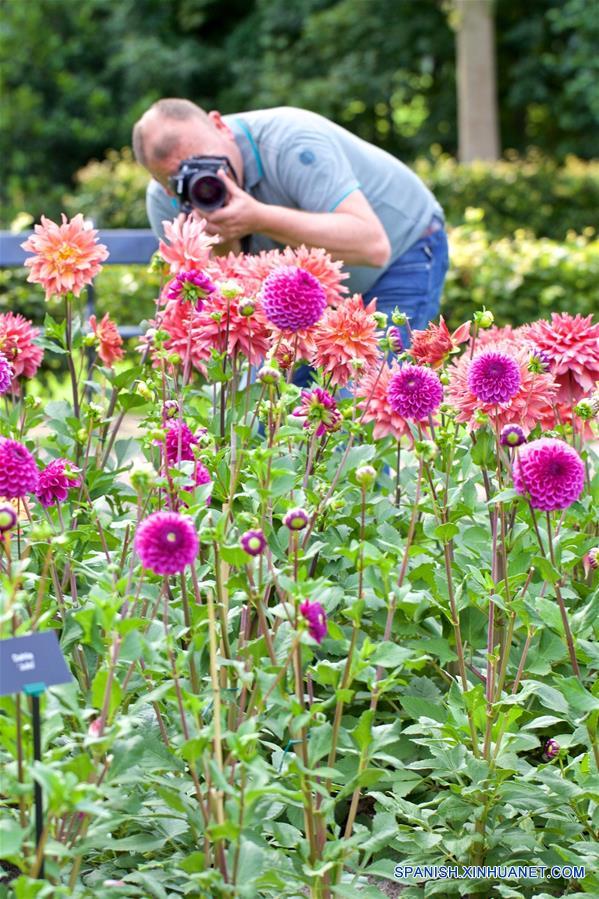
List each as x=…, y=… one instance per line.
x=253, y=542
x=494, y=377
x=55, y=481
x=166, y=542
x=110, y=348
x=531, y=404
x=489, y=339
x=572, y=344
x=512, y=435
x=180, y=437
x=296, y=519
x=67, y=256
x=316, y=617
x=372, y=392
x=415, y=392
x=17, y=344
x=344, y=335
x=435, y=343
x=252, y=270
x=6, y=374
x=319, y=263
x=320, y=410
x=188, y=246
x=550, y=472
x=18, y=471
x=8, y=518
x=292, y=298
x=189, y=287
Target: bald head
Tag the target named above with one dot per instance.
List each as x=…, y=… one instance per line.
x=175, y=129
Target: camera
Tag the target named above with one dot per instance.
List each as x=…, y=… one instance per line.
x=197, y=184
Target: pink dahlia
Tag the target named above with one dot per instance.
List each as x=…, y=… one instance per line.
x=252, y=270
x=433, y=345
x=319, y=263
x=415, y=392
x=166, y=542
x=55, y=481
x=530, y=405
x=18, y=471
x=189, y=287
x=6, y=374
x=188, y=246
x=67, y=256
x=344, y=336
x=494, y=377
x=572, y=344
x=372, y=391
x=316, y=617
x=17, y=344
x=293, y=299
x=179, y=442
x=550, y=472
x=320, y=411
x=110, y=342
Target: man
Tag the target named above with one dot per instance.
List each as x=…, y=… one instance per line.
x=301, y=179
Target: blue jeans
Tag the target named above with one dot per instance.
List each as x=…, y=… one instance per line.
x=413, y=283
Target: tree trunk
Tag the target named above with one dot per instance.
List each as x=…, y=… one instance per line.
x=478, y=125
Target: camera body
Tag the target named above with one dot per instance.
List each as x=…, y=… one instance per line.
x=197, y=184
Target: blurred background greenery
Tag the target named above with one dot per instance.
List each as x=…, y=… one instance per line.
x=76, y=74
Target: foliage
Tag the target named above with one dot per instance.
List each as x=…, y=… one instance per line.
x=111, y=192
x=85, y=72
x=208, y=746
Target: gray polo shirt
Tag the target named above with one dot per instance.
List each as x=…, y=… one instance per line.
x=301, y=160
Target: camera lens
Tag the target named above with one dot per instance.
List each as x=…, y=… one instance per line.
x=207, y=192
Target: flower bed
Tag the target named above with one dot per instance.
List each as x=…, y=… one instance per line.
x=314, y=634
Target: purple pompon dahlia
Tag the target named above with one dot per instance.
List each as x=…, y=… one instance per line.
x=6, y=374
x=316, y=617
x=55, y=481
x=415, y=392
x=512, y=435
x=179, y=433
x=8, y=518
x=166, y=542
x=296, y=519
x=551, y=472
x=319, y=409
x=494, y=377
x=253, y=542
x=190, y=287
x=18, y=471
x=292, y=298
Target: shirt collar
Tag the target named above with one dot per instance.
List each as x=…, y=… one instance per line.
x=252, y=164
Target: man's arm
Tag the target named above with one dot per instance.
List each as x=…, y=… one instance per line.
x=352, y=232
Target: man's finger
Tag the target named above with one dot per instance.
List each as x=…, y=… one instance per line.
x=231, y=185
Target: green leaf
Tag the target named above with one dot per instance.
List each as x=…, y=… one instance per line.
x=362, y=732
x=11, y=837
x=390, y=655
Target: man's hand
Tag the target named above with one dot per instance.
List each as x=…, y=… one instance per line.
x=238, y=218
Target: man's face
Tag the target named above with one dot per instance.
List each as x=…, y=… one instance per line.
x=192, y=137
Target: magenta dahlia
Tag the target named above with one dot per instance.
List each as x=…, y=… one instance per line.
x=320, y=410
x=180, y=438
x=292, y=298
x=18, y=471
x=55, y=481
x=415, y=392
x=166, y=542
x=551, y=472
x=253, y=542
x=494, y=377
x=6, y=374
x=190, y=287
x=316, y=617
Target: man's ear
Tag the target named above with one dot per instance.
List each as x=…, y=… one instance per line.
x=217, y=120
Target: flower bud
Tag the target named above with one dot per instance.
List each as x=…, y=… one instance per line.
x=230, y=289
x=399, y=318
x=269, y=375
x=444, y=377
x=246, y=307
x=81, y=435
x=365, y=476
x=296, y=519
x=8, y=518
x=394, y=339
x=426, y=450
x=170, y=408
x=253, y=542
x=90, y=339
x=33, y=402
x=142, y=476
x=591, y=558
x=512, y=435
x=157, y=264
x=144, y=391
x=380, y=319
x=539, y=362
x=584, y=410
x=174, y=359
x=484, y=318
x=551, y=749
